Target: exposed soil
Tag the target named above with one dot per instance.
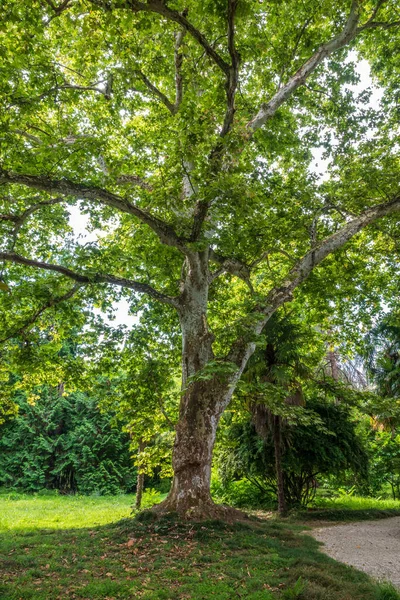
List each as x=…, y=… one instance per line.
x=371, y=546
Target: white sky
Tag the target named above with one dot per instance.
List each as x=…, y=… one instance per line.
x=79, y=221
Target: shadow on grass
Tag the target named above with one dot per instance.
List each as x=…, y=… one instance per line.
x=165, y=558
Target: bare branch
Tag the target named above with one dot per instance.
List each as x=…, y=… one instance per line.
x=91, y=278
x=232, y=266
x=65, y=86
x=348, y=33
x=378, y=24
x=84, y=88
x=51, y=302
x=154, y=90
x=29, y=136
x=165, y=232
x=135, y=180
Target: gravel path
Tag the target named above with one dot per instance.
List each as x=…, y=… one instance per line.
x=371, y=546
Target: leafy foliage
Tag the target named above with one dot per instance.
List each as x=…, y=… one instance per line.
x=329, y=446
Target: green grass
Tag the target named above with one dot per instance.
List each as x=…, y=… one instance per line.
x=57, y=547
x=350, y=508
x=27, y=512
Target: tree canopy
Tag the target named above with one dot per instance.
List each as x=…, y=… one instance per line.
x=185, y=132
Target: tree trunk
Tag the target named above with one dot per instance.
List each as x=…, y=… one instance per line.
x=282, y=508
x=202, y=403
x=140, y=478
x=192, y=455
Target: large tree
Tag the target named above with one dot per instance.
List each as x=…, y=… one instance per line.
x=184, y=130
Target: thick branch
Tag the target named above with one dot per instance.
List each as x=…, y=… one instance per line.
x=347, y=34
x=84, y=278
x=316, y=255
x=49, y=304
x=229, y=265
x=165, y=232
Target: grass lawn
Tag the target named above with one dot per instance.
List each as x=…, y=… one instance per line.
x=63, y=547
x=351, y=508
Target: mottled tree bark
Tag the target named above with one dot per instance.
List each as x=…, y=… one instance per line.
x=202, y=402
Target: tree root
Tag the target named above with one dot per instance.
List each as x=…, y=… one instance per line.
x=202, y=511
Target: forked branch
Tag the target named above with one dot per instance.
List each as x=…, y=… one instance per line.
x=165, y=232
x=349, y=33
x=160, y=7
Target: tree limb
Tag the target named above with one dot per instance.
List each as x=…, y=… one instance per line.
x=242, y=348
x=233, y=75
x=230, y=265
x=165, y=232
x=380, y=24
x=178, y=59
x=154, y=90
x=348, y=33
x=91, y=278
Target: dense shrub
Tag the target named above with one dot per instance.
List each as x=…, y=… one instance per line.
x=65, y=443
x=329, y=446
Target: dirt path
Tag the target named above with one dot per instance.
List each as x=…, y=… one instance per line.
x=371, y=546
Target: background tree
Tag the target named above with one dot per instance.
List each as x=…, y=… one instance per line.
x=273, y=381
x=321, y=443
x=63, y=442
x=382, y=357
x=185, y=134
x=142, y=394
